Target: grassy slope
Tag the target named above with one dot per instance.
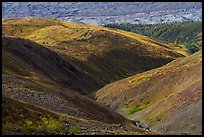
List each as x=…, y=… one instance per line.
x=188, y=34
x=162, y=96
x=106, y=54
x=31, y=93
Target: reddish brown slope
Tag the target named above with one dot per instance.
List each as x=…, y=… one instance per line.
x=161, y=95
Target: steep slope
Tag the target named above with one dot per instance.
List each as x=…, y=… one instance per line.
x=168, y=98
x=187, y=34
x=24, y=54
x=36, y=100
x=105, y=54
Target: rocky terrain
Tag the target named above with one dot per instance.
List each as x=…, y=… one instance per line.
x=100, y=13
x=32, y=119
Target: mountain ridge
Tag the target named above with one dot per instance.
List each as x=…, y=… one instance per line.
x=99, y=13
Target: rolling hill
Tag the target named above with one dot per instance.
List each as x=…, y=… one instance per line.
x=168, y=98
x=106, y=55
x=49, y=65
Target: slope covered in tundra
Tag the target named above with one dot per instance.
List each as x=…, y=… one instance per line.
x=39, y=95
x=168, y=98
x=106, y=55
x=48, y=64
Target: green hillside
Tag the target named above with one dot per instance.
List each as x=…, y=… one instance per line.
x=187, y=33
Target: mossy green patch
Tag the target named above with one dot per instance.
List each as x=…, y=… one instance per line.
x=134, y=110
x=190, y=126
x=152, y=119
x=157, y=119
x=74, y=130
x=52, y=124
x=139, y=107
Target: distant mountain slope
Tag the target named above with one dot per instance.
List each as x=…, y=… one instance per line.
x=168, y=98
x=100, y=13
x=37, y=88
x=106, y=55
x=188, y=34
x=105, y=8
